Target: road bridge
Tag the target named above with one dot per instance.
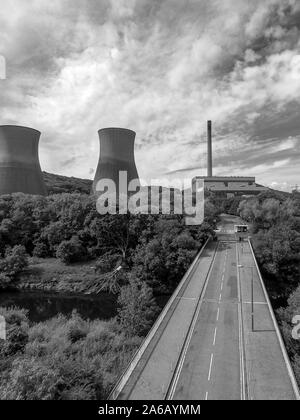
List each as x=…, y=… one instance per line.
x=217, y=338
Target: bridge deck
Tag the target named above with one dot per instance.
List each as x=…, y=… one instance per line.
x=205, y=347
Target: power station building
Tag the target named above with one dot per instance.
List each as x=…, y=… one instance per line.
x=116, y=155
x=226, y=186
x=20, y=169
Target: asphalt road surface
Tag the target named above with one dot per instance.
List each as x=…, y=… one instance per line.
x=212, y=369
x=205, y=347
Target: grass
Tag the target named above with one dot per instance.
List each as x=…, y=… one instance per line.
x=53, y=275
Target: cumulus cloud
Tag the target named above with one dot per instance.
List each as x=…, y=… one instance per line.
x=162, y=68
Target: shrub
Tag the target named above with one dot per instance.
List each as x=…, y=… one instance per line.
x=41, y=250
x=137, y=308
x=71, y=251
x=17, y=331
x=31, y=380
x=12, y=264
x=77, y=328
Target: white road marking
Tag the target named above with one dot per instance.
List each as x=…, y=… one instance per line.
x=220, y=298
x=256, y=303
x=215, y=336
x=218, y=315
x=222, y=286
x=241, y=331
x=210, y=366
x=185, y=298
x=206, y=396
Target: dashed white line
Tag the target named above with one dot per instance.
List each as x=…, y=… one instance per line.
x=206, y=396
x=220, y=298
x=215, y=336
x=210, y=366
x=218, y=314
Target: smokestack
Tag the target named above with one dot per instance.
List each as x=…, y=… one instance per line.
x=20, y=169
x=209, y=149
x=116, y=155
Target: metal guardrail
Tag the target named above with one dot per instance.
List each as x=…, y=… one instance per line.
x=137, y=357
x=279, y=336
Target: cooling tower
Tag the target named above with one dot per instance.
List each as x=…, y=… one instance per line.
x=20, y=169
x=116, y=155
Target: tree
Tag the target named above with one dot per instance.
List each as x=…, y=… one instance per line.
x=12, y=264
x=17, y=331
x=137, y=308
x=71, y=251
x=31, y=380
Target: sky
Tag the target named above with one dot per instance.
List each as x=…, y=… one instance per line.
x=161, y=68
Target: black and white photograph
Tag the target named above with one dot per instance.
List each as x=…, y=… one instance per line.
x=149, y=203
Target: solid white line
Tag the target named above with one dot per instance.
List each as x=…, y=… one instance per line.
x=256, y=303
x=210, y=366
x=185, y=298
x=240, y=318
x=215, y=336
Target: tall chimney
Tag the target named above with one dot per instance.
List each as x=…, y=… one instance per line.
x=209, y=149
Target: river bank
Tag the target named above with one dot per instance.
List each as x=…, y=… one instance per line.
x=51, y=275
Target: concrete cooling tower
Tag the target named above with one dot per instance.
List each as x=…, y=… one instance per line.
x=116, y=154
x=20, y=169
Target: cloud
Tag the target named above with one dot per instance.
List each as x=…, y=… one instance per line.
x=162, y=68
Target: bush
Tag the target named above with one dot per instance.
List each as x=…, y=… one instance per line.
x=41, y=250
x=15, y=260
x=63, y=358
x=137, y=308
x=17, y=331
x=77, y=328
x=71, y=251
x=31, y=380
x=4, y=281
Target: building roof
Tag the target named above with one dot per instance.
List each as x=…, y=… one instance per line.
x=226, y=178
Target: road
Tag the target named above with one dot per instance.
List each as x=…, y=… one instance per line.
x=204, y=348
x=213, y=365
x=154, y=371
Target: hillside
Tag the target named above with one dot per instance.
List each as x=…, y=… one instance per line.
x=57, y=184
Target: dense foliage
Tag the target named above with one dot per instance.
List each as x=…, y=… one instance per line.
x=13, y=262
x=57, y=184
x=68, y=227
x=135, y=257
x=61, y=359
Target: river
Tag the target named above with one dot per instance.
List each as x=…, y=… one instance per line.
x=45, y=305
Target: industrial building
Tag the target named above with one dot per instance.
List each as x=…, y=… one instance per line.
x=20, y=169
x=116, y=155
x=226, y=186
